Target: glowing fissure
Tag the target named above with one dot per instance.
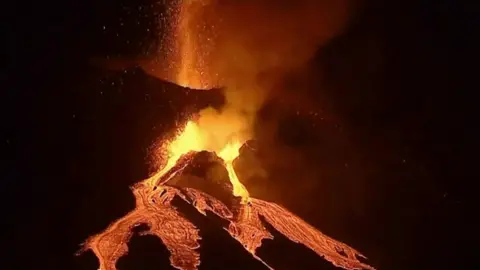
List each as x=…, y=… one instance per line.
x=181, y=237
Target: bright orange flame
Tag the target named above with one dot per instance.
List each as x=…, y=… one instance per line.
x=188, y=140
x=194, y=138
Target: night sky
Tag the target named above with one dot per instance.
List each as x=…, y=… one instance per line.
x=373, y=148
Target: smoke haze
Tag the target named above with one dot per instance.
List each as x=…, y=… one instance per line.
x=246, y=47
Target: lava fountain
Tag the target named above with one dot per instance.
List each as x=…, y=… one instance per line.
x=190, y=44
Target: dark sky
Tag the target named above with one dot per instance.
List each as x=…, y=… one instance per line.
x=384, y=130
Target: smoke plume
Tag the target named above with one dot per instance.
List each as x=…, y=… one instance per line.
x=246, y=47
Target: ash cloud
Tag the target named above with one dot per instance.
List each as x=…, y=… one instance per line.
x=248, y=46
x=252, y=38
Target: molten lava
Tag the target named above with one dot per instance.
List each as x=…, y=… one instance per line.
x=228, y=154
x=180, y=236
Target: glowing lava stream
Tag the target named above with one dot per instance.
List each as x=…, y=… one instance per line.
x=181, y=237
x=228, y=154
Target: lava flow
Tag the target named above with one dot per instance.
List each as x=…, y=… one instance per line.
x=181, y=237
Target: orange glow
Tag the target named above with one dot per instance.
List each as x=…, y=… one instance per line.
x=222, y=132
x=187, y=141
x=196, y=138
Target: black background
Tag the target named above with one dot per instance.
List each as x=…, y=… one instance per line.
x=390, y=147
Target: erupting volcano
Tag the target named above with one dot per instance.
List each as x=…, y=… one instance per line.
x=153, y=208
x=222, y=134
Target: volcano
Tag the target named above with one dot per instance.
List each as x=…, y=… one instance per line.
x=212, y=137
x=248, y=220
